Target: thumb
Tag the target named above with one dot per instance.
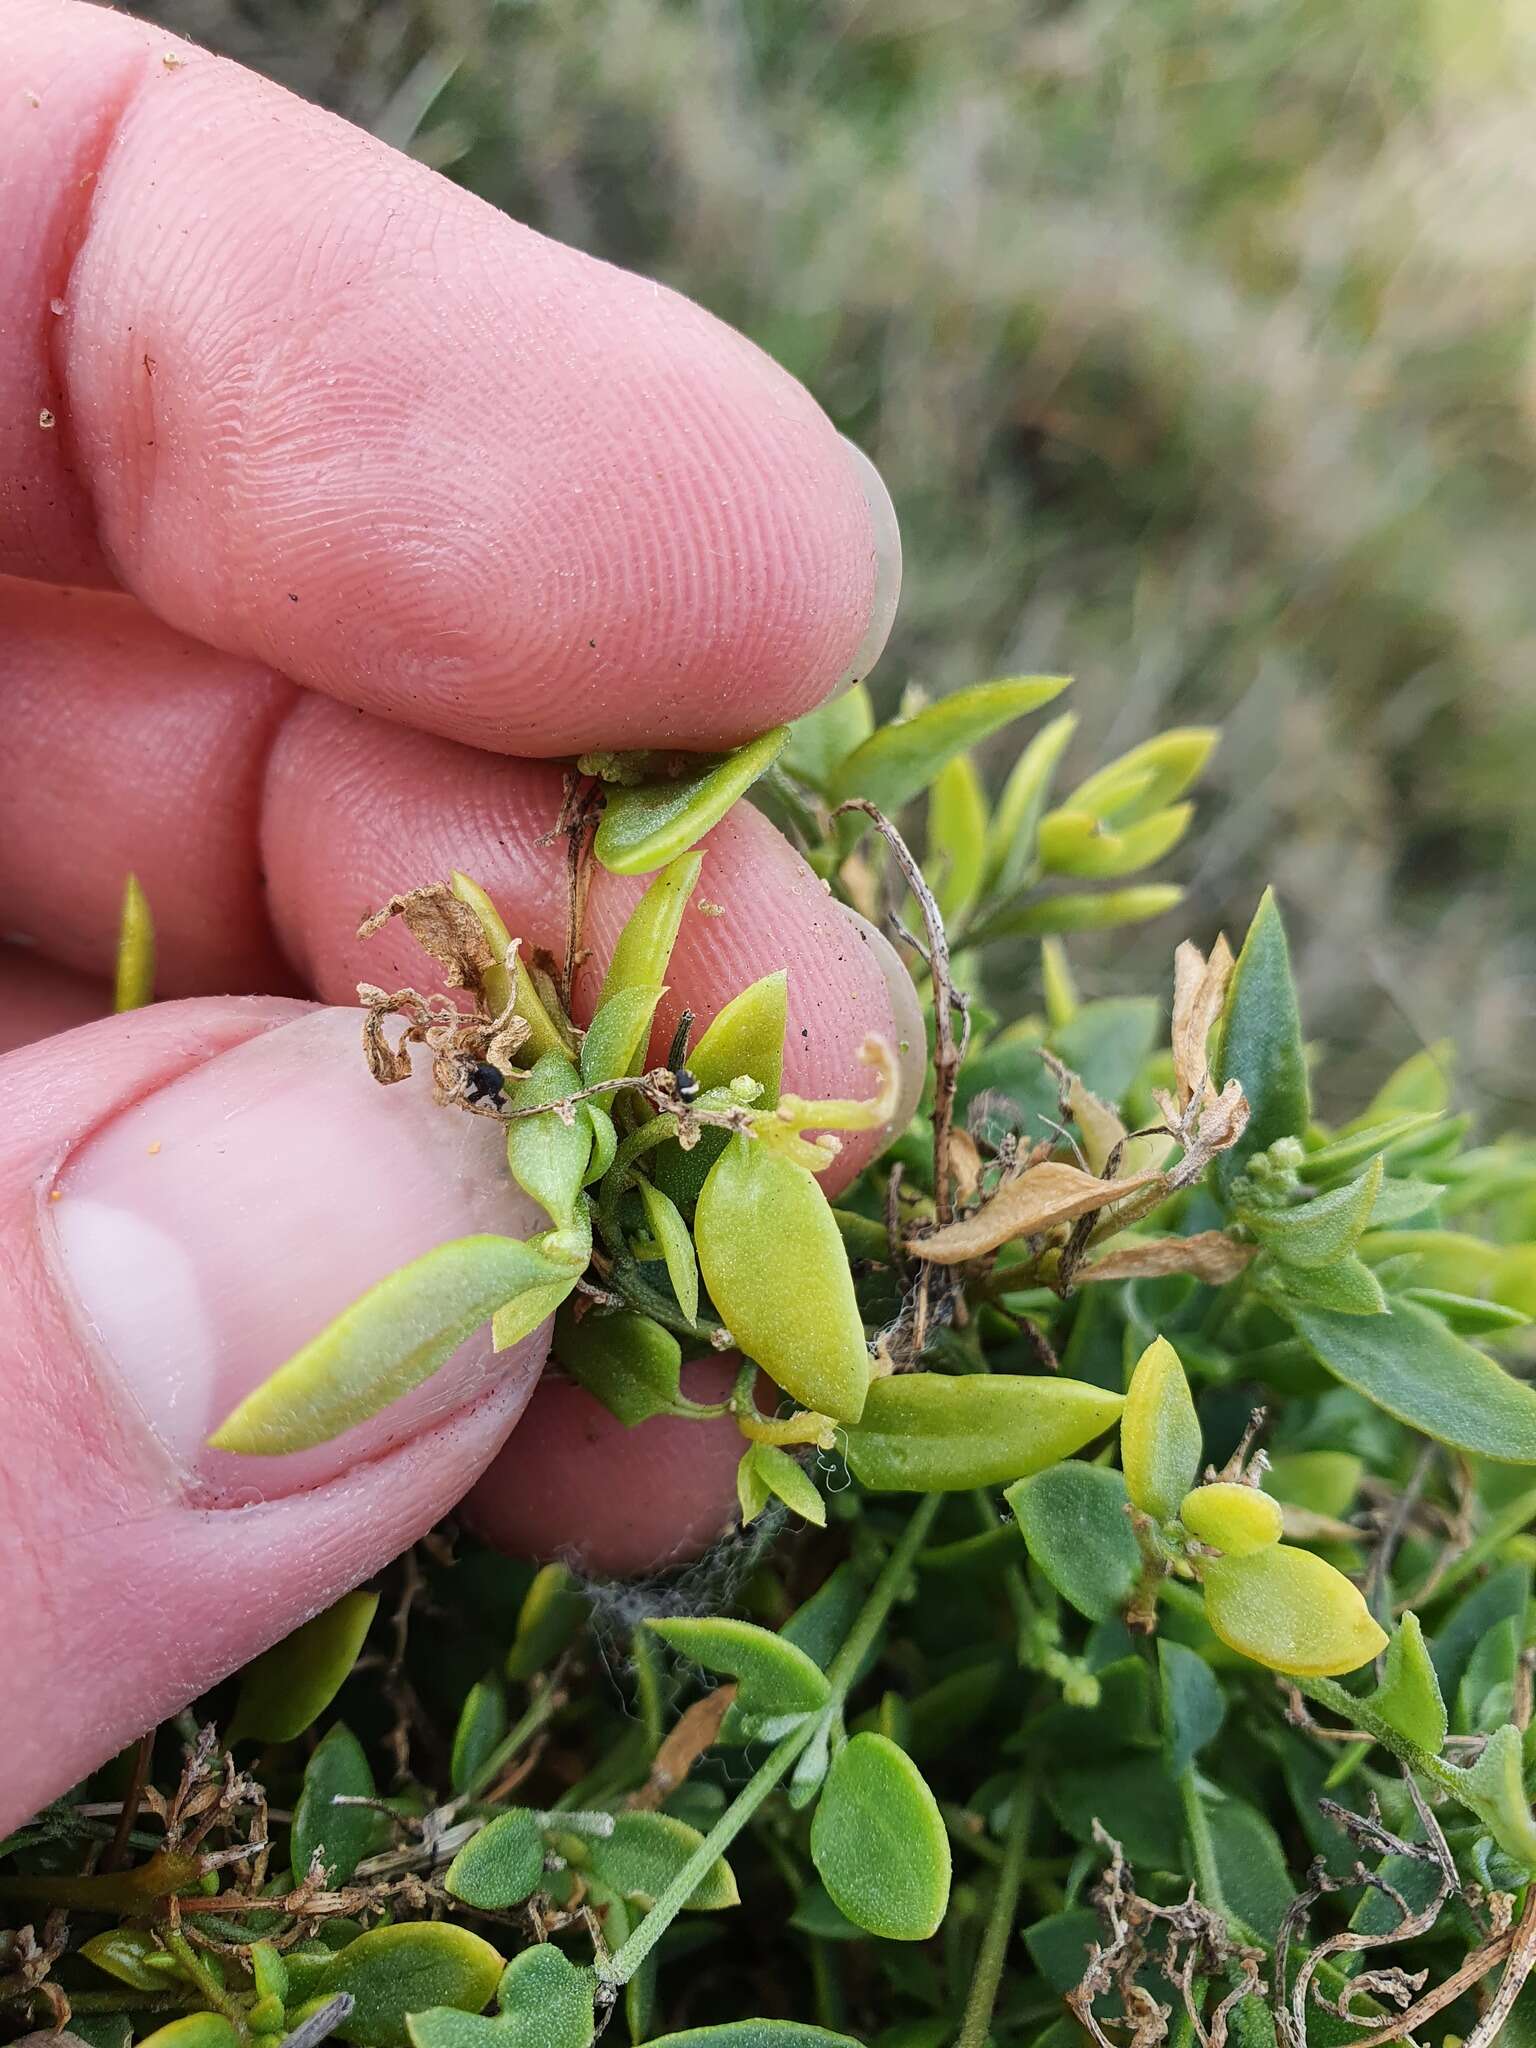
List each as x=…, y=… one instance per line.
x=186, y=1195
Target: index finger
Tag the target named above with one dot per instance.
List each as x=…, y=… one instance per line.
x=318, y=407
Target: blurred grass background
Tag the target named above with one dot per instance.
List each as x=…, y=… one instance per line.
x=1194, y=339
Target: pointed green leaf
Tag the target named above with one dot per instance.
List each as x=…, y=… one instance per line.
x=1074, y=912
x=957, y=837
x=624, y=1360
x=1409, y=1363
x=1319, y=1232
x=135, y=982
x=1290, y=1611
x=547, y=1156
x=133, y=1957
x=605, y=1142
x=502, y=1865
x=570, y=1252
x=1258, y=1042
x=878, y=1842
x=828, y=735
x=392, y=1971
x=653, y=823
x=898, y=762
x=1077, y=1531
x=553, y=1610
x=1148, y=777
x=1194, y=1705
x=481, y=1726
x=752, y=1494
x=1012, y=839
x=390, y=1340
x=676, y=1241
x=287, y=1687
x=546, y=1028
x=774, y=1677
x=926, y=1432
x=1077, y=843
x=1494, y=1788
x=1348, y=1287
x=545, y=2002
x=1467, y=1314
x=647, y=1850
x=747, y=1037
x=1408, y=1696
x=645, y=944
x=1159, y=1433
x=618, y=1035
x=341, y=1836
x=1342, y=1155
x=788, y=1480
x=1420, y=1087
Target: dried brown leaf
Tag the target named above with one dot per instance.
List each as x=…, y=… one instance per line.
x=1098, y=1121
x=1199, y=990
x=1026, y=1206
x=965, y=1164
x=442, y=926
x=684, y=1745
x=1210, y=1255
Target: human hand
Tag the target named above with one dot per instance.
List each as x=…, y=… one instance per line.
x=333, y=507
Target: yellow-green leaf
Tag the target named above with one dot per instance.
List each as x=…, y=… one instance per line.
x=390, y=1340
x=927, y=1432
x=654, y=822
x=500, y=1866
x=1159, y=1432
x=1291, y=1612
x=747, y=1037
x=773, y=1676
x=1258, y=1043
x=897, y=762
x=287, y=1687
x=618, y=1035
x=784, y=1477
x=647, y=1850
x=135, y=982
x=957, y=837
x=828, y=735
x=1148, y=777
x=1232, y=1518
x=1079, y=844
x=546, y=1029
x=1012, y=840
x=650, y=932
x=547, y=1156
x=392, y=1971
x=1075, y=912
x=676, y=1241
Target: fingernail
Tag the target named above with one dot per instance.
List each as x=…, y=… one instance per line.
x=887, y=533
x=217, y=1225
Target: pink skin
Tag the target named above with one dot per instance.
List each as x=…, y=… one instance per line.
x=347, y=477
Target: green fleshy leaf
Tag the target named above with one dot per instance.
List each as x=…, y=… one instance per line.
x=646, y=1851
x=195, y=2030
x=547, y=1156
x=390, y=1340
x=618, y=1035
x=481, y=1726
x=898, y=762
x=1343, y=1155
x=676, y=1241
x=1467, y=1314
x=644, y=827
x=546, y=1027
x=747, y=1037
x=392, y=1971
x=1319, y=1232
x=878, y=1842
x=624, y=1360
x=650, y=932
x=571, y=1252
x=1148, y=777
x=1077, y=1531
x=288, y=1687
x=498, y=1868
x=553, y=1609
x=1233, y=1518
x=133, y=1958
x=787, y=1480
x=774, y=1678
x=927, y=1432
x=1409, y=1363
x=1290, y=1611
x=752, y=1494
x=134, y=985
x=1494, y=1788
x=1408, y=1696
x=545, y=2002
x=828, y=735
x=1420, y=1087
x=1258, y=1042
x=341, y=1836
x=1346, y=1288
x=1159, y=1433
x=754, y=2034
x=1194, y=1705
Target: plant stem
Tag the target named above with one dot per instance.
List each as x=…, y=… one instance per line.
x=538, y=1711
x=206, y=1983
x=993, y=1952
x=1326, y=1692
x=622, y=1965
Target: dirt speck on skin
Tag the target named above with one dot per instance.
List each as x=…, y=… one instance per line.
x=710, y=909
x=153, y=1149
x=45, y=418
x=172, y=60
